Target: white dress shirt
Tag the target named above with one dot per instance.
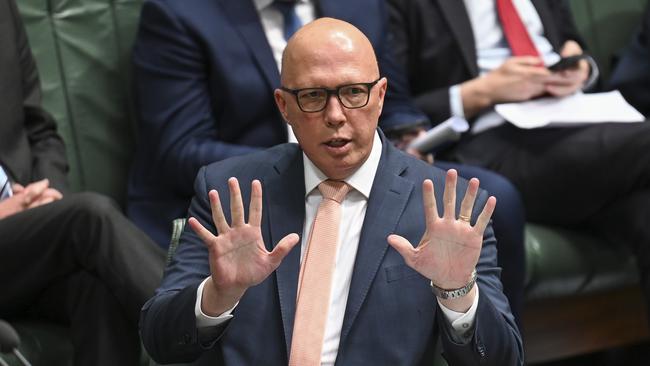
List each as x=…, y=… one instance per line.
x=353, y=212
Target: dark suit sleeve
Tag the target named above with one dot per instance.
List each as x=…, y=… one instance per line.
x=496, y=339
x=47, y=149
x=167, y=321
x=564, y=24
x=400, y=113
x=632, y=73
x=405, y=25
x=173, y=98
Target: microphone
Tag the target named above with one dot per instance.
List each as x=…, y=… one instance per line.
x=9, y=342
x=440, y=136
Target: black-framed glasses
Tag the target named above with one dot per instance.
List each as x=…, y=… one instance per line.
x=351, y=96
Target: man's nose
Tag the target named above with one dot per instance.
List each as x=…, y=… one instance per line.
x=334, y=115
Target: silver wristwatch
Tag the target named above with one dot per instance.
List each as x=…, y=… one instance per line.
x=454, y=293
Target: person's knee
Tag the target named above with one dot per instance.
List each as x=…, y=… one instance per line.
x=508, y=196
x=91, y=205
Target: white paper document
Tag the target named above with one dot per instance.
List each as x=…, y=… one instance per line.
x=440, y=135
x=572, y=110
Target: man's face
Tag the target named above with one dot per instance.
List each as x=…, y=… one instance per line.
x=337, y=139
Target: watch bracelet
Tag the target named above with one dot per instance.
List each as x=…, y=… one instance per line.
x=454, y=293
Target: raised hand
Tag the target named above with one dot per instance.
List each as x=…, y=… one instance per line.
x=237, y=254
x=450, y=247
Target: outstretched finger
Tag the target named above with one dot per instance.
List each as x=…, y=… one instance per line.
x=450, y=194
x=284, y=247
x=467, y=205
x=217, y=213
x=429, y=202
x=255, y=207
x=236, y=205
x=206, y=236
x=403, y=247
x=484, y=217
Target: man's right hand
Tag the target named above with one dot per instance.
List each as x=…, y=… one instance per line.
x=24, y=198
x=518, y=79
x=238, y=257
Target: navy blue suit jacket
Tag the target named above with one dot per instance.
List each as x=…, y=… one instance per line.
x=391, y=318
x=204, y=79
x=632, y=73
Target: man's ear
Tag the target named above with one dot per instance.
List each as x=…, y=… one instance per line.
x=281, y=103
x=382, y=87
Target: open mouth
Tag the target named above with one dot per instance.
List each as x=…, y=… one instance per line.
x=336, y=143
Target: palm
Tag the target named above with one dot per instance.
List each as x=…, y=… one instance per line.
x=449, y=249
x=237, y=255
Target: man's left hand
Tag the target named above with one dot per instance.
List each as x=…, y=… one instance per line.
x=567, y=82
x=450, y=247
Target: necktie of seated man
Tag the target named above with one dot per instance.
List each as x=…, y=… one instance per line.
x=5, y=185
x=514, y=30
x=291, y=21
x=315, y=281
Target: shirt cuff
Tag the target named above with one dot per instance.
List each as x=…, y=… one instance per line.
x=463, y=323
x=456, y=102
x=203, y=320
x=594, y=73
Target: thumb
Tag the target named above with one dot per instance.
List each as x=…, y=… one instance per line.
x=403, y=246
x=284, y=247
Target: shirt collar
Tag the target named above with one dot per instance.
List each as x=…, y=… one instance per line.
x=361, y=180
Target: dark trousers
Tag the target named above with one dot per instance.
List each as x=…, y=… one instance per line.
x=595, y=177
x=80, y=262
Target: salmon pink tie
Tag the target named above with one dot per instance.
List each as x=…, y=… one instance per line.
x=315, y=280
x=514, y=30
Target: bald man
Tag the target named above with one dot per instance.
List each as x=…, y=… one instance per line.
x=404, y=271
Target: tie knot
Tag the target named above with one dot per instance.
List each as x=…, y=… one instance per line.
x=335, y=190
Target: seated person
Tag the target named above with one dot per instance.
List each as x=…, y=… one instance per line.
x=204, y=78
x=377, y=228
x=463, y=57
x=70, y=258
x=632, y=72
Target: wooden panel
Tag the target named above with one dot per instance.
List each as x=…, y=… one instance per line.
x=564, y=327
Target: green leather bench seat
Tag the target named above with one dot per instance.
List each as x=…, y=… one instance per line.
x=82, y=49
x=564, y=263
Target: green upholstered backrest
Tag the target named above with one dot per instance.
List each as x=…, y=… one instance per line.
x=82, y=49
x=607, y=26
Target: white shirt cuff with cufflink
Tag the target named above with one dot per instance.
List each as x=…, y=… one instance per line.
x=461, y=322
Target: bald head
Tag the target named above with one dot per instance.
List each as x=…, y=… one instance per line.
x=327, y=42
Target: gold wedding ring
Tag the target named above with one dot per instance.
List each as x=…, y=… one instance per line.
x=464, y=218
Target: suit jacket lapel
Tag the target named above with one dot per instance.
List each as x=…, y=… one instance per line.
x=550, y=30
x=284, y=192
x=245, y=20
x=388, y=198
x=456, y=15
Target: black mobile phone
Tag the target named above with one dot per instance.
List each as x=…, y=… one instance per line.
x=566, y=63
